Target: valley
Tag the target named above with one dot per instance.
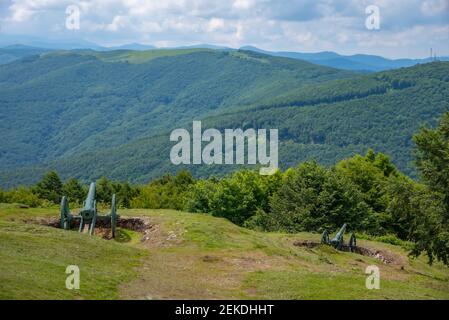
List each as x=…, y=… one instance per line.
x=111, y=113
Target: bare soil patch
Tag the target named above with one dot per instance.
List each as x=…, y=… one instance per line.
x=385, y=256
x=103, y=228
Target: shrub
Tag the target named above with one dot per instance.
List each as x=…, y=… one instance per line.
x=22, y=195
x=236, y=197
x=165, y=193
x=314, y=198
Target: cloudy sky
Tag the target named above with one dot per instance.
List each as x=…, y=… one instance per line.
x=408, y=28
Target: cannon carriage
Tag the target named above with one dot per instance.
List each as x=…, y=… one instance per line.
x=88, y=217
x=338, y=242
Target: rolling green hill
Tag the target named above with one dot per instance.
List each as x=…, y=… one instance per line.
x=88, y=114
x=63, y=103
x=333, y=120
x=15, y=52
x=196, y=256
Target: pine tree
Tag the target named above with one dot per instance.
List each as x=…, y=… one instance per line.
x=49, y=188
x=433, y=164
x=74, y=191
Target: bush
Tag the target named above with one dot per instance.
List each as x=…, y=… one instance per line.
x=263, y=221
x=388, y=238
x=165, y=193
x=237, y=197
x=22, y=195
x=198, y=198
x=370, y=174
x=313, y=198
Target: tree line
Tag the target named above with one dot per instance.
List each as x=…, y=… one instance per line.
x=366, y=191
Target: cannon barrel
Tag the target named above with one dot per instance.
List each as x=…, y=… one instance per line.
x=88, y=216
x=337, y=241
x=340, y=233
x=89, y=204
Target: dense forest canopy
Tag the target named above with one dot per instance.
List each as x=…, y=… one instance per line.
x=89, y=114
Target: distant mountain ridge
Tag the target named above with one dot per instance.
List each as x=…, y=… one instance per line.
x=357, y=62
x=14, y=52
x=131, y=46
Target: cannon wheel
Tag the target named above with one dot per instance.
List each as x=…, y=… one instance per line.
x=65, y=214
x=352, y=242
x=325, y=237
x=113, y=216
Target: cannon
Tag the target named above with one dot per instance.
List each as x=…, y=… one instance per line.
x=337, y=241
x=88, y=217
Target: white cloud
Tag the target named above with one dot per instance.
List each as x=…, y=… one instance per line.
x=303, y=25
x=21, y=14
x=243, y=4
x=117, y=23
x=215, y=24
x=434, y=7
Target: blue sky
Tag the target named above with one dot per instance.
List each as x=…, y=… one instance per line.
x=408, y=28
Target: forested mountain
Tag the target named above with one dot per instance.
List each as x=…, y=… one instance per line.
x=332, y=120
x=356, y=62
x=15, y=52
x=88, y=114
x=61, y=104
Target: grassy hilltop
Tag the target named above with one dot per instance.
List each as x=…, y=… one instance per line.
x=197, y=256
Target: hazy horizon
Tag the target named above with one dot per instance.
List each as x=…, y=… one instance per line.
x=96, y=46
x=406, y=28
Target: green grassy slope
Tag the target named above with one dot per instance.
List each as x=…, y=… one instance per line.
x=198, y=256
x=125, y=55
x=34, y=260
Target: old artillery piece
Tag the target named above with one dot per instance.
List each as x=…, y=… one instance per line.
x=337, y=241
x=88, y=217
